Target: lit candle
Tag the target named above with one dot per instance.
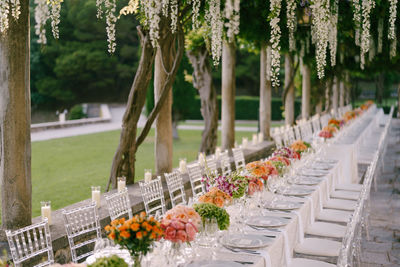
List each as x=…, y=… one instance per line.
x=182, y=165
x=244, y=142
x=201, y=159
x=147, y=175
x=96, y=195
x=255, y=139
x=46, y=210
x=260, y=137
x=217, y=152
x=121, y=185
x=236, y=144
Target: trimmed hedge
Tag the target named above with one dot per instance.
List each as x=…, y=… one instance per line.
x=246, y=108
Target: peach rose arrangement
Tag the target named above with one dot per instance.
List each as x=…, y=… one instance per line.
x=300, y=146
x=255, y=185
x=136, y=234
x=180, y=224
x=216, y=196
x=261, y=169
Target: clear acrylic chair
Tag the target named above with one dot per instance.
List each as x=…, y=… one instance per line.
x=81, y=225
x=153, y=196
x=196, y=180
x=119, y=205
x=225, y=163
x=238, y=157
x=211, y=165
x=316, y=123
x=30, y=242
x=175, y=188
x=288, y=136
x=297, y=132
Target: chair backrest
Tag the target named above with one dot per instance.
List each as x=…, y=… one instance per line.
x=297, y=132
x=211, y=165
x=119, y=205
x=29, y=242
x=325, y=119
x=225, y=163
x=81, y=224
x=175, y=188
x=306, y=130
x=288, y=136
x=316, y=123
x=277, y=135
x=238, y=157
x=153, y=196
x=196, y=180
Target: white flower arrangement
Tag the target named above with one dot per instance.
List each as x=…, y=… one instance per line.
x=111, y=19
x=195, y=14
x=392, y=19
x=232, y=14
x=291, y=22
x=214, y=19
x=4, y=10
x=367, y=6
x=333, y=32
x=55, y=9
x=152, y=9
x=357, y=20
x=41, y=16
x=15, y=8
x=275, y=8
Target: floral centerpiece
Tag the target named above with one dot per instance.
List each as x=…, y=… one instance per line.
x=234, y=184
x=261, y=169
x=300, y=146
x=286, y=152
x=136, y=234
x=111, y=261
x=335, y=123
x=182, y=213
x=255, y=185
x=330, y=129
x=210, y=211
x=325, y=134
x=216, y=196
x=349, y=115
x=284, y=160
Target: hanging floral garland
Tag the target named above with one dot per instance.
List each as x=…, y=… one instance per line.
x=15, y=8
x=291, y=22
x=165, y=4
x=214, y=20
x=195, y=11
x=4, y=10
x=333, y=32
x=392, y=28
x=232, y=14
x=174, y=15
x=367, y=6
x=275, y=9
x=152, y=9
x=357, y=20
x=321, y=17
x=41, y=16
x=380, y=35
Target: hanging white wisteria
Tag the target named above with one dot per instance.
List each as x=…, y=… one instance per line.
x=55, y=9
x=320, y=20
x=174, y=15
x=41, y=16
x=333, y=32
x=111, y=19
x=99, y=6
x=131, y=8
x=380, y=35
x=357, y=20
x=291, y=22
x=214, y=19
x=392, y=19
x=165, y=4
x=393, y=48
x=232, y=14
x=152, y=9
x=367, y=6
x=195, y=14
x=15, y=8
x=4, y=10
x=275, y=9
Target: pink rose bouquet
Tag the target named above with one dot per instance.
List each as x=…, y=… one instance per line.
x=183, y=213
x=177, y=230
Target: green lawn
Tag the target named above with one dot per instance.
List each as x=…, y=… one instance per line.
x=243, y=124
x=64, y=169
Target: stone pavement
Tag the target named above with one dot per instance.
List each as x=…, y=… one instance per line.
x=383, y=248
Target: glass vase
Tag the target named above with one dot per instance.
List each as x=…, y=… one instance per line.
x=137, y=260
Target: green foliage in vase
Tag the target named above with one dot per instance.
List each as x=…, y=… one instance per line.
x=112, y=261
x=209, y=211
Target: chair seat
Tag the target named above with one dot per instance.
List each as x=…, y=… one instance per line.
x=300, y=262
x=326, y=229
x=340, y=204
x=343, y=194
x=318, y=247
x=331, y=215
x=349, y=187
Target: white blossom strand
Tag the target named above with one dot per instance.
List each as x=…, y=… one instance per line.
x=392, y=19
x=367, y=6
x=214, y=19
x=357, y=20
x=333, y=32
x=291, y=22
x=275, y=9
x=111, y=19
x=174, y=14
x=15, y=8
x=152, y=10
x=41, y=16
x=232, y=14
x=195, y=17
x=55, y=9
x=4, y=10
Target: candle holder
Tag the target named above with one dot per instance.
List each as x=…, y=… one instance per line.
x=182, y=165
x=201, y=159
x=46, y=210
x=121, y=184
x=217, y=152
x=255, y=139
x=147, y=175
x=260, y=137
x=245, y=140
x=96, y=192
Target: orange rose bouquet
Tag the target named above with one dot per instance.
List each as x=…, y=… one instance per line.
x=330, y=129
x=136, y=234
x=300, y=146
x=216, y=196
x=255, y=185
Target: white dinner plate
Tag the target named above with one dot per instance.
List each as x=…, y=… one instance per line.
x=284, y=205
x=245, y=241
x=266, y=221
x=216, y=263
x=308, y=181
x=293, y=191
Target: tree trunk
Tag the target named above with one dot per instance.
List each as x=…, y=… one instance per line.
x=348, y=88
x=306, y=91
x=124, y=158
x=398, y=101
x=328, y=88
x=318, y=107
x=289, y=99
x=202, y=81
x=380, y=84
x=341, y=93
x=265, y=91
x=228, y=94
x=15, y=123
x=335, y=95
